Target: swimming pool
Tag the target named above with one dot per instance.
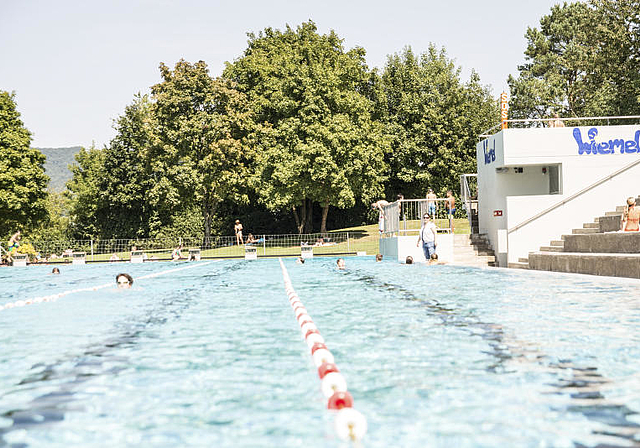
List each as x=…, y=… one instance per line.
x=212, y=355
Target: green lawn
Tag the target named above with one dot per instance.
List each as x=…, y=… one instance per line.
x=360, y=239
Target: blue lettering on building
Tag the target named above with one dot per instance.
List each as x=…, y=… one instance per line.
x=489, y=154
x=591, y=146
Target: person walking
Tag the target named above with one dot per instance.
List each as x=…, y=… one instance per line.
x=427, y=236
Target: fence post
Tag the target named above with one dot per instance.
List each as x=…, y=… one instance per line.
x=264, y=245
x=92, y=250
x=348, y=245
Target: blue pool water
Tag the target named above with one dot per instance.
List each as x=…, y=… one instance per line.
x=212, y=355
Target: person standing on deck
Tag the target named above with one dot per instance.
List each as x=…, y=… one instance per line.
x=238, y=229
x=450, y=203
x=431, y=202
x=379, y=205
x=427, y=236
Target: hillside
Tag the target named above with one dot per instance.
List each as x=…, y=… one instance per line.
x=56, y=166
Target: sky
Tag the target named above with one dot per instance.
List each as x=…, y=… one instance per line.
x=75, y=65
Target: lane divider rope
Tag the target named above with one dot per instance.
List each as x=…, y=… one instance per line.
x=349, y=423
x=54, y=297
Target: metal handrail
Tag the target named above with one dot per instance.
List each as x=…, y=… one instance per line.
x=573, y=196
x=546, y=120
x=465, y=195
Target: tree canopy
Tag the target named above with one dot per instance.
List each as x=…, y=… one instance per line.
x=314, y=135
x=581, y=61
x=197, y=158
x=432, y=120
x=23, y=182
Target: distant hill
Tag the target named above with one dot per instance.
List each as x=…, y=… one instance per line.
x=56, y=166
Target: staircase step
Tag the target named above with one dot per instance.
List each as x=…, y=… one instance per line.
x=523, y=260
x=583, y=231
x=557, y=243
x=519, y=265
x=551, y=249
x=620, y=209
x=591, y=225
x=612, y=213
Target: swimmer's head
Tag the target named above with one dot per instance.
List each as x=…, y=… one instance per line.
x=124, y=280
x=378, y=257
x=340, y=263
x=409, y=259
x=300, y=260
x=55, y=271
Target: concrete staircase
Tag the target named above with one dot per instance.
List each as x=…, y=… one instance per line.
x=472, y=250
x=590, y=250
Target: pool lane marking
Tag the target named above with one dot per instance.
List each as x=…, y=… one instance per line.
x=54, y=297
x=349, y=423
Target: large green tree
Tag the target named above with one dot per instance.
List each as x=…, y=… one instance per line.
x=433, y=120
x=196, y=158
x=22, y=180
x=123, y=205
x=83, y=192
x=581, y=61
x=315, y=136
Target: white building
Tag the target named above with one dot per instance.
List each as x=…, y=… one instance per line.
x=537, y=184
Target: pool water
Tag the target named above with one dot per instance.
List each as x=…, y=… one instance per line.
x=212, y=355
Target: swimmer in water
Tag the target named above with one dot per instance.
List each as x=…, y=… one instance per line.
x=124, y=281
x=340, y=263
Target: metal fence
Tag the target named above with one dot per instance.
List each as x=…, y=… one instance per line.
x=405, y=216
x=335, y=243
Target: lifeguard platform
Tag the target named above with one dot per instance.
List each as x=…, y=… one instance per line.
x=535, y=184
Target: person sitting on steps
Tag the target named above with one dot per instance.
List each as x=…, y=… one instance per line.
x=631, y=217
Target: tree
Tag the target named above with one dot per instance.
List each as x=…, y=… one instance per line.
x=83, y=192
x=433, y=120
x=581, y=61
x=22, y=180
x=314, y=136
x=196, y=157
x=123, y=208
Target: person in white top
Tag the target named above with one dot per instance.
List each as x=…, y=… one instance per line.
x=427, y=236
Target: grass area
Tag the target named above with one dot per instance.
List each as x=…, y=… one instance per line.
x=360, y=239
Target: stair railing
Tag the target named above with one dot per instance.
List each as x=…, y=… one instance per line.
x=467, y=197
x=574, y=196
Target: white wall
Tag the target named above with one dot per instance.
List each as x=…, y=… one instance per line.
x=399, y=247
x=521, y=196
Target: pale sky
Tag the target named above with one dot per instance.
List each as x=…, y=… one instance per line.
x=75, y=65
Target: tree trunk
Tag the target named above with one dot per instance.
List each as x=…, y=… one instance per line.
x=299, y=224
x=325, y=213
x=309, y=223
x=208, y=212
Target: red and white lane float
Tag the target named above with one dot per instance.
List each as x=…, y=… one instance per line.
x=349, y=423
x=54, y=297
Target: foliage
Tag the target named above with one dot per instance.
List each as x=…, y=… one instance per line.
x=581, y=61
x=83, y=191
x=123, y=209
x=197, y=157
x=432, y=119
x=56, y=226
x=27, y=248
x=314, y=136
x=22, y=179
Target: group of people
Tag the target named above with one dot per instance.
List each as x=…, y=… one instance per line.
x=449, y=203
